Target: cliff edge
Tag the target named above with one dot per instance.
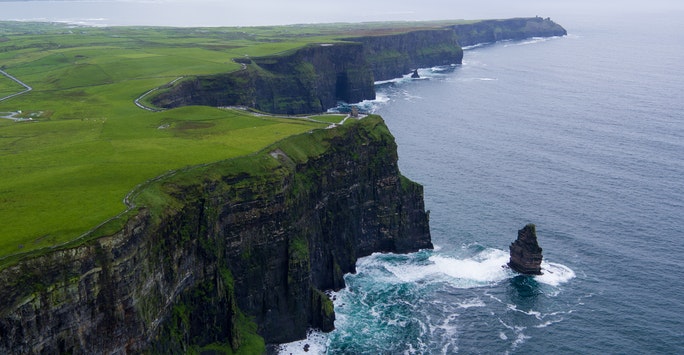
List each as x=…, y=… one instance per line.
x=317, y=76
x=224, y=254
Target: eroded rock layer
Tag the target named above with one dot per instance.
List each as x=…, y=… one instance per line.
x=247, y=242
x=526, y=254
x=316, y=77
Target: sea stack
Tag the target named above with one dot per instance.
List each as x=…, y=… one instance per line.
x=526, y=255
x=415, y=74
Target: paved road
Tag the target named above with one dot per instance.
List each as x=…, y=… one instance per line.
x=137, y=101
x=26, y=87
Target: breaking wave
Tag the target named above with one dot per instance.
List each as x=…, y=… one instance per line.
x=391, y=300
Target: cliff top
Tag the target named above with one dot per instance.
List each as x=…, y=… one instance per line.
x=78, y=131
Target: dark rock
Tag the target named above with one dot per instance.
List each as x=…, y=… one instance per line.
x=415, y=74
x=489, y=31
x=316, y=77
x=391, y=56
x=526, y=255
x=311, y=79
x=231, y=248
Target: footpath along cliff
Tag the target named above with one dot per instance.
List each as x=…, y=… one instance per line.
x=238, y=248
x=318, y=76
x=236, y=254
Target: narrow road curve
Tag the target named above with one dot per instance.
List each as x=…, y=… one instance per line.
x=243, y=66
x=26, y=87
x=137, y=101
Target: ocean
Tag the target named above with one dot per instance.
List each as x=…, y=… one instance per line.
x=581, y=135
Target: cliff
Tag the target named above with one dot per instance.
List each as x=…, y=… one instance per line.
x=311, y=79
x=318, y=76
x=489, y=31
x=392, y=56
x=223, y=255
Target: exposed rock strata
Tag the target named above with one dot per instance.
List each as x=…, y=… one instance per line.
x=489, y=31
x=391, y=56
x=251, y=238
x=526, y=255
x=316, y=77
x=311, y=79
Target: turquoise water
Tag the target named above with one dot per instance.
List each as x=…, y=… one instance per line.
x=581, y=135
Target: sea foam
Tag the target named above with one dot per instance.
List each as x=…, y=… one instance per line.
x=315, y=343
x=482, y=269
x=554, y=274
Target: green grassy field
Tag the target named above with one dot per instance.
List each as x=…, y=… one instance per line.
x=86, y=145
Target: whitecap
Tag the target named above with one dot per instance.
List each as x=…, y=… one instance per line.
x=548, y=323
x=465, y=48
x=481, y=269
x=403, y=79
x=554, y=274
x=520, y=338
x=535, y=314
x=475, y=79
x=316, y=342
x=484, y=267
x=470, y=303
x=365, y=106
x=440, y=69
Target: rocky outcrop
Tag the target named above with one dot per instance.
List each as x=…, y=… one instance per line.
x=316, y=77
x=229, y=253
x=526, y=255
x=490, y=31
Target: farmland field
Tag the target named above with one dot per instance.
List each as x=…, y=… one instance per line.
x=73, y=147
x=87, y=145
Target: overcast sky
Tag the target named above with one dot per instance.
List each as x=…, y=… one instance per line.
x=274, y=12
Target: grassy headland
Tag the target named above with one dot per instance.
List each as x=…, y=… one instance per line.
x=84, y=144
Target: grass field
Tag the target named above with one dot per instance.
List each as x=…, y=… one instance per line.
x=87, y=145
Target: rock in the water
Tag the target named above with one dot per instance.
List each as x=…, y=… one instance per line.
x=526, y=255
x=415, y=74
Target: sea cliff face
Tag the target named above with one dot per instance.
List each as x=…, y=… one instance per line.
x=236, y=253
x=392, y=56
x=238, y=248
x=316, y=77
x=489, y=31
x=310, y=79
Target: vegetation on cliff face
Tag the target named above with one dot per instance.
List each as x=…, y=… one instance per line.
x=233, y=250
x=315, y=77
x=83, y=144
x=489, y=31
x=209, y=254
x=392, y=56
